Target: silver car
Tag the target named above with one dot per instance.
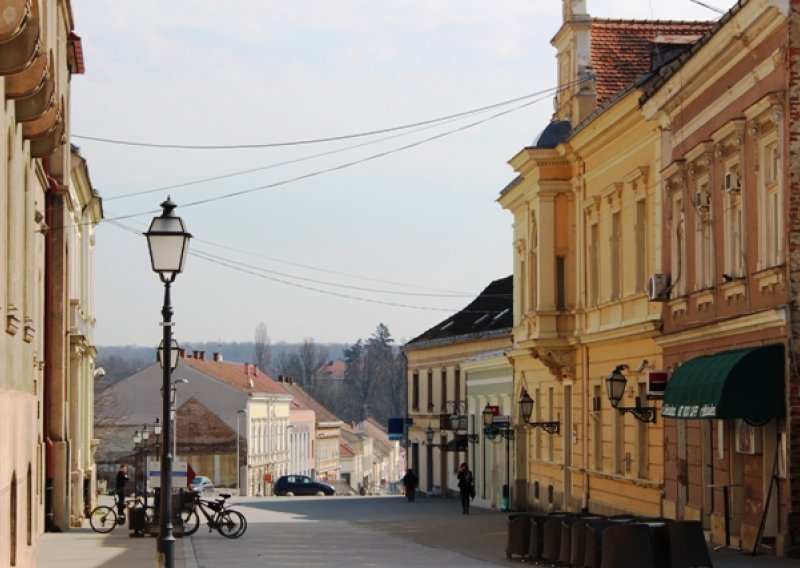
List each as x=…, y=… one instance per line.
x=203, y=485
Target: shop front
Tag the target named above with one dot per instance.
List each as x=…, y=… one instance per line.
x=725, y=444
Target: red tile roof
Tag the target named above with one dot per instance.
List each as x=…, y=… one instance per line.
x=236, y=374
x=621, y=49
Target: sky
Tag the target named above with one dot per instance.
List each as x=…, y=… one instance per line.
x=359, y=149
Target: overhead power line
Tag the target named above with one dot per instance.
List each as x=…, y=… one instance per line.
x=338, y=167
x=314, y=140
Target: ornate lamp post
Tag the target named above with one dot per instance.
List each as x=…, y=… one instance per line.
x=168, y=242
x=137, y=443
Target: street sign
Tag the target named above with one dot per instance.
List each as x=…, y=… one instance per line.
x=178, y=474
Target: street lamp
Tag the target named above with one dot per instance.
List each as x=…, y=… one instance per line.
x=137, y=442
x=145, y=436
x=168, y=242
x=615, y=388
x=238, y=472
x=526, y=408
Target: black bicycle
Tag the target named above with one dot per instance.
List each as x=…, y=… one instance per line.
x=104, y=518
x=228, y=522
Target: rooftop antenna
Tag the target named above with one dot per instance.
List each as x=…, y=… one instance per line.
x=704, y=5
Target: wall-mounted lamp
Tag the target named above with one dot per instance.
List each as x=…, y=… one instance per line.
x=429, y=434
x=491, y=429
x=615, y=388
x=526, y=407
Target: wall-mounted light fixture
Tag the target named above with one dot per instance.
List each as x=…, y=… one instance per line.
x=430, y=433
x=526, y=408
x=615, y=388
x=492, y=429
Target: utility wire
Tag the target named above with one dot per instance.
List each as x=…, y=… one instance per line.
x=315, y=140
x=330, y=293
x=339, y=167
x=219, y=259
x=274, y=165
x=259, y=272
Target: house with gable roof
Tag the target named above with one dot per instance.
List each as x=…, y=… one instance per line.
x=327, y=432
x=214, y=400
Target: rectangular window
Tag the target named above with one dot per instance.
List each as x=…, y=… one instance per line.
x=561, y=292
x=703, y=260
x=550, y=413
x=457, y=391
x=618, y=423
x=430, y=391
x=594, y=264
x=415, y=391
x=641, y=246
x=537, y=438
x=641, y=440
x=616, y=254
x=770, y=217
x=597, y=432
x=443, y=390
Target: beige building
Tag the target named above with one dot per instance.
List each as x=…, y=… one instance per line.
x=49, y=211
x=215, y=401
x=437, y=389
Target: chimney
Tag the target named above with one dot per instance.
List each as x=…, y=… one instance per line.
x=250, y=382
x=217, y=357
x=196, y=354
x=202, y=355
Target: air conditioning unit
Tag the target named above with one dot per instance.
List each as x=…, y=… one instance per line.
x=731, y=182
x=658, y=287
x=702, y=199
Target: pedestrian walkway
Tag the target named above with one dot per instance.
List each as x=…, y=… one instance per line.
x=348, y=531
x=84, y=548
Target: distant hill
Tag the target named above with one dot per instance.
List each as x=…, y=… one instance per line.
x=120, y=361
x=242, y=352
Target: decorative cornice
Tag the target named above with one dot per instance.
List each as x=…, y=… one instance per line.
x=561, y=362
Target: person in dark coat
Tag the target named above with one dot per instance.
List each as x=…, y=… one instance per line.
x=410, y=484
x=119, y=488
x=466, y=487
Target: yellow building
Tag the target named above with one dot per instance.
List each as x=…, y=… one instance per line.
x=587, y=217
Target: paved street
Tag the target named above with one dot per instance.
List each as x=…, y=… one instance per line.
x=331, y=532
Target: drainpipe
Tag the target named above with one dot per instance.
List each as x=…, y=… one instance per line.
x=50, y=524
x=585, y=427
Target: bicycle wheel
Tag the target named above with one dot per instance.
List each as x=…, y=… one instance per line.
x=190, y=521
x=244, y=522
x=103, y=519
x=231, y=524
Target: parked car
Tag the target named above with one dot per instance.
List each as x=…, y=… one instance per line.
x=291, y=485
x=203, y=485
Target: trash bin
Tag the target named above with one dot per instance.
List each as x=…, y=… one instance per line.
x=136, y=521
x=519, y=535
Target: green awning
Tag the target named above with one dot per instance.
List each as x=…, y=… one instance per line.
x=743, y=383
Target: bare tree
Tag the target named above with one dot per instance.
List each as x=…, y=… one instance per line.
x=312, y=358
x=263, y=349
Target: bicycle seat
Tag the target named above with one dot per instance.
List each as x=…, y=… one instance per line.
x=224, y=496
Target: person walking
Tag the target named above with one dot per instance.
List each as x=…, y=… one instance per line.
x=119, y=489
x=410, y=484
x=466, y=487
